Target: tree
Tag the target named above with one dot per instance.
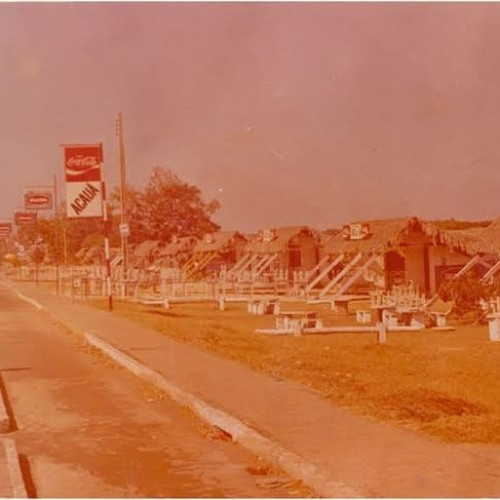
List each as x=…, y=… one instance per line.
x=467, y=292
x=168, y=207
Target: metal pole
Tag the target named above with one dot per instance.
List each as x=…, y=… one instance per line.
x=56, y=234
x=123, y=192
x=106, y=242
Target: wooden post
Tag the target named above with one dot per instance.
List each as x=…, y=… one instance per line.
x=381, y=332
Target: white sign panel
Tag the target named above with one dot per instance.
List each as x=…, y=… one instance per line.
x=84, y=199
x=124, y=230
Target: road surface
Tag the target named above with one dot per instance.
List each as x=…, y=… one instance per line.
x=87, y=428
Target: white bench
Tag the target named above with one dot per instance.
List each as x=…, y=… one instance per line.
x=363, y=316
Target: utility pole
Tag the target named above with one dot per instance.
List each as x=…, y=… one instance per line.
x=56, y=234
x=123, y=195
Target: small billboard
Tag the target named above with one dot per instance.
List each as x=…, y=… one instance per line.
x=25, y=218
x=38, y=199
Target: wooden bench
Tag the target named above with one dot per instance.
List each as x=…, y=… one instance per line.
x=263, y=306
x=297, y=320
x=494, y=326
x=363, y=316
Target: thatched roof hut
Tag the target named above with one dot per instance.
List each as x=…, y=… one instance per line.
x=175, y=253
x=145, y=253
x=220, y=242
x=381, y=236
x=295, y=247
x=384, y=235
x=278, y=239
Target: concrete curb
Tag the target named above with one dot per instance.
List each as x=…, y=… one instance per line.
x=31, y=301
x=14, y=468
x=295, y=466
x=4, y=415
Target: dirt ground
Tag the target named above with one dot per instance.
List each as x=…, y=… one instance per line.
x=443, y=384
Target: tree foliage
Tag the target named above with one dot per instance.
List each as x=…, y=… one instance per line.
x=167, y=207
x=467, y=292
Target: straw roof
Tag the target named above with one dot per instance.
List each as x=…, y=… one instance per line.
x=387, y=234
x=219, y=241
x=383, y=235
x=145, y=248
x=179, y=245
x=477, y=239
x=282, y=239
x=468, y=241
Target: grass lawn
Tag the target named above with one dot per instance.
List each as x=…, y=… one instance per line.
x=445, y=384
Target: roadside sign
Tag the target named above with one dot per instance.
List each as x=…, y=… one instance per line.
x=84, y=189
x=25, y=218
x=5, y=229
x=40, y=199
x=124, y=230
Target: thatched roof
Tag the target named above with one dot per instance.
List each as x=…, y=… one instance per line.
x=383, y=235
x=468, y=241
x=387, y=234
x=179, y=245
x=219, y=241
x=474, y=240
x=282, y=239
x=145, y=248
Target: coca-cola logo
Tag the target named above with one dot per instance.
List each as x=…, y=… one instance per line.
x=79, y=161
x=83, y=163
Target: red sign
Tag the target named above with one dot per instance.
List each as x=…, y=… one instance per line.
x=38, y=198
x=5, y=229
x=82, y=162
x=25, y=218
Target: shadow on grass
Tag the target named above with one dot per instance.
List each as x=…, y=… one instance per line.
x=166, y=314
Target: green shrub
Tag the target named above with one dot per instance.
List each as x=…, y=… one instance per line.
x=467, y=292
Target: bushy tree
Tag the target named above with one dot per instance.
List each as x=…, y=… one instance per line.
x=167, y=207
x=467, y=292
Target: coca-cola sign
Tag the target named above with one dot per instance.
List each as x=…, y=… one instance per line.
x=83, y=162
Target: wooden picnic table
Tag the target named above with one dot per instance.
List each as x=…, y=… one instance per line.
x=341, y=302
x=298, y=319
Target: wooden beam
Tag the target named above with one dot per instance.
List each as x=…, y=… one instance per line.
x=323, y=273
x=475, y=260
x=342, y=273
x=356, y=275
x=491, y=272
x=240, y=263
x=318, y=266
x=268, y=262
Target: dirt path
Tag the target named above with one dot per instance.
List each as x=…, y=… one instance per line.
x=86, y=428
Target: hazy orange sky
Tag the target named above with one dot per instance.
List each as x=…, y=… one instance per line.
x=288, y=113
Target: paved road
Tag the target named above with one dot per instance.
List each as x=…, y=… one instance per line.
x=86, y=428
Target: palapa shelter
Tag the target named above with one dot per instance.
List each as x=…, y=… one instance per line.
x=286, y=248
x=397, y=251
x=215, y=251
x=145, y=254
x=177, y=252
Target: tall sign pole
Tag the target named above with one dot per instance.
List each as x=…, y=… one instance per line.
x=124, y=229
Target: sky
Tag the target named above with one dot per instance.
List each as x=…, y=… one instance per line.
x=287, y=113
